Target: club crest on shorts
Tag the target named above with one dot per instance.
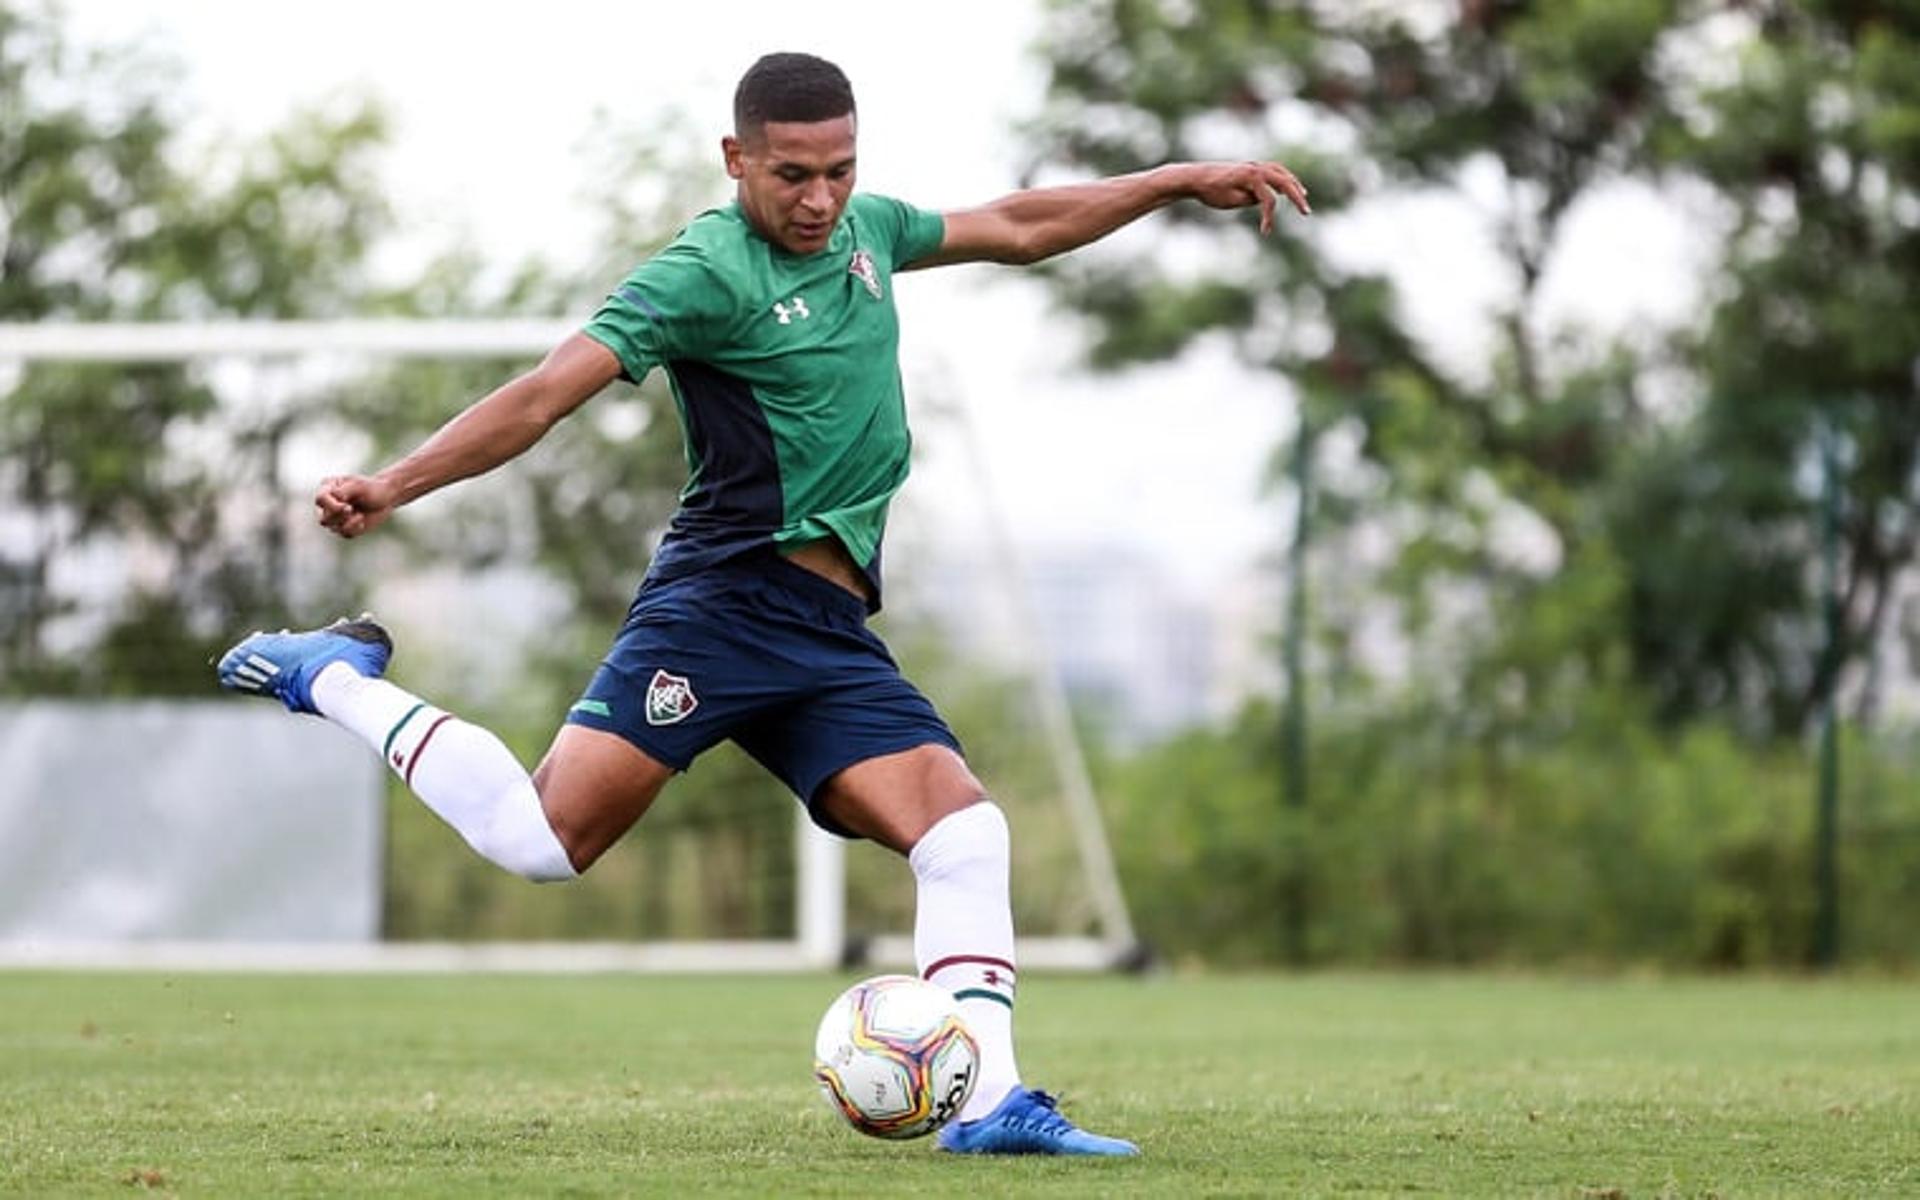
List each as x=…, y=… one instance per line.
x=862, y=268
x=670, y=699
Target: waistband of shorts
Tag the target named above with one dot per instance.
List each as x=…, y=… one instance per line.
x=785, y=572
x=769, y=566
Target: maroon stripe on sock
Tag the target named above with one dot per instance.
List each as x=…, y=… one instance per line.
x=422, y=747
x=957, y=959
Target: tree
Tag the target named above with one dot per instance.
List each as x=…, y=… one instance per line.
x=143, y=474
x=1814, y=146
x=1664, y=535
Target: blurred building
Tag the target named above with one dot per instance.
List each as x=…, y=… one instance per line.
x=1138, y=653
x=1896, y=662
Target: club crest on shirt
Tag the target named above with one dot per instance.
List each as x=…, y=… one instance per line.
x=670, y=699
x=862, y=268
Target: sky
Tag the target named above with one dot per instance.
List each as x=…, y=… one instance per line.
x=493, y=105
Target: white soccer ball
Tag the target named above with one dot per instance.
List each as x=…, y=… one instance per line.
x=893, y=1057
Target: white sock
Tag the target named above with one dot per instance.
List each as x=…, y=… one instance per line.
x=470, y=778
x=963, y=936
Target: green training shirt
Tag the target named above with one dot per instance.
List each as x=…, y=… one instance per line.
x=786, y=372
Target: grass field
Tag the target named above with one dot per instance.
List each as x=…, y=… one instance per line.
x=201, y=1085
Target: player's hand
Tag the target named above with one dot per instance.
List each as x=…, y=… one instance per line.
x=350, y=505
x=1244, y=184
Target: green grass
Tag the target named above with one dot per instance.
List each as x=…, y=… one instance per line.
x=197, y=1085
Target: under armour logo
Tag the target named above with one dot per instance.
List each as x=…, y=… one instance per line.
x=787, y=310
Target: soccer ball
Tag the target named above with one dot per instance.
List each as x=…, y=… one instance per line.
x=893, y=1058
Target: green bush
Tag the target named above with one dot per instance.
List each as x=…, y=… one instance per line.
x=1616, y=845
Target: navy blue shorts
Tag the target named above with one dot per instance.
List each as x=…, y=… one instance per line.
x=766, y=653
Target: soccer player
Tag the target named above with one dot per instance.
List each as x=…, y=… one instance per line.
x=774, y=319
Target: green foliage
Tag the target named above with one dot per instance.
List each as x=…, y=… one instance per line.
x=1432, y=842
x=1701, y=503
x=1815, y=330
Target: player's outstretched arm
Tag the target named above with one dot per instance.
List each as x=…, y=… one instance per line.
x=1038, y=223
x=494, y=429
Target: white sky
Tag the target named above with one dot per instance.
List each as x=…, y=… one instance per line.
x=491, y=105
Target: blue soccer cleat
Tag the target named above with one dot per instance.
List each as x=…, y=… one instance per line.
x=283, y=665
x=1028, y=1123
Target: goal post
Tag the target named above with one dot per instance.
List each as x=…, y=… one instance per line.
x=820, y=936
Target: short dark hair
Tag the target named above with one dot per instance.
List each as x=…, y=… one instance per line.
x=790, y=87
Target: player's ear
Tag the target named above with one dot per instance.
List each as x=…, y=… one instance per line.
x=734, y=154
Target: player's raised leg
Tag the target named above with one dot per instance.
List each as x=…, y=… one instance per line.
x=548, y=826
x=926, y=804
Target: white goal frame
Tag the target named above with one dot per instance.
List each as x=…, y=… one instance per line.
x=820, y=939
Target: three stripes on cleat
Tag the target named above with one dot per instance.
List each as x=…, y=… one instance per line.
x=255, y=673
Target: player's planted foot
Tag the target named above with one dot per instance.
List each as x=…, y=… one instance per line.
x=283, y=665
x=1028, y=1122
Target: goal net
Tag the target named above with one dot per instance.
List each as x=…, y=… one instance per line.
x=502, y=594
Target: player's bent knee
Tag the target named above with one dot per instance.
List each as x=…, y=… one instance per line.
x=582, y=844
x=976, y=837
x=520, y=839
x=592, y=787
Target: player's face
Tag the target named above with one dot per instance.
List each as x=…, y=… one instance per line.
x=795, y=178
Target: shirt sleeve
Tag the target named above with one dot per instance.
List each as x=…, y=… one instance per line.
x=916, y=232
x=672, y=306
